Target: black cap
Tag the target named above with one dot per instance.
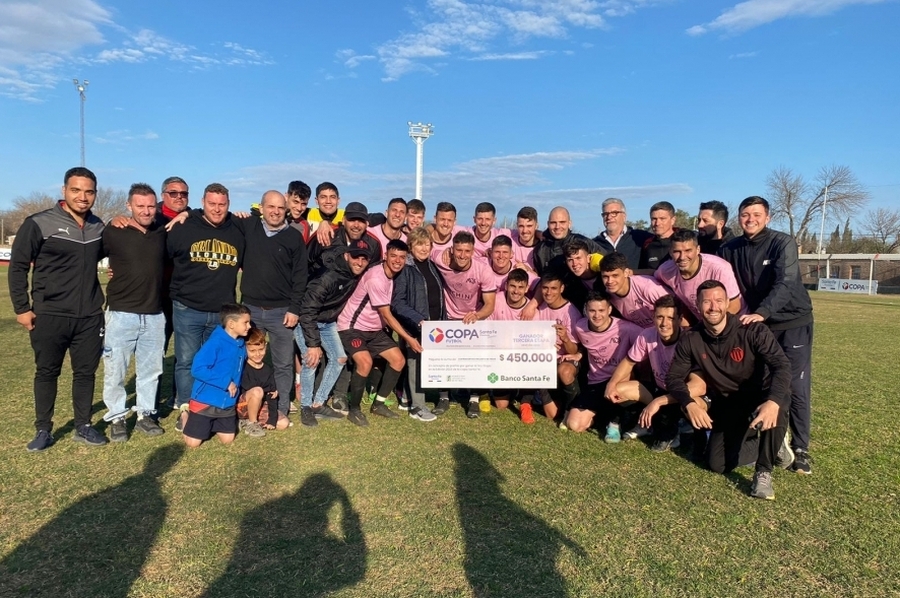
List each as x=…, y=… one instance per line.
x=356, y=211
x=358, y=248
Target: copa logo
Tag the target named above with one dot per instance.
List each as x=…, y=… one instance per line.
x=853, y=286
x=461, y=333
x=436, y=335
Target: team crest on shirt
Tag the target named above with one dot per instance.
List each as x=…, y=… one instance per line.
x=737, y=354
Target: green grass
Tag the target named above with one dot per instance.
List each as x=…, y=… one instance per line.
x=458, y=508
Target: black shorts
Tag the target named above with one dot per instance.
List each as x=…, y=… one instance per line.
x=375, y=342
x=203, y=427
x=592, y=398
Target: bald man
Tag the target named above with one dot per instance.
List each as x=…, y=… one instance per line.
x=549, y=254
x=274, y=282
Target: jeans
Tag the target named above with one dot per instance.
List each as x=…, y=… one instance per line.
x=51, y=337
x=334, y=350
x=192, y=329
x=281, y=345
x=127, y=334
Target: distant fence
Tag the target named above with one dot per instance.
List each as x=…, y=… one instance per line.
x=865, y=273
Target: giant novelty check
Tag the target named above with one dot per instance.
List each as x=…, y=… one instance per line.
x=488, y=354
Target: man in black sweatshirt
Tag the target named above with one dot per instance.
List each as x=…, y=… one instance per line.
x=712, y=226
x=655, y=249
x=273, y=283
x=746, y=399
x=767, y=268
x=206, y=252
x=60, y=247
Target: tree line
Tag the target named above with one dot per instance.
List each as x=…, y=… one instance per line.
x=797, y=205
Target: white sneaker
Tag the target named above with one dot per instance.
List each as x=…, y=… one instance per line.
x=636, y=432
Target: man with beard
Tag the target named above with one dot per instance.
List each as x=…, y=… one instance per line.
x=688, y=269
x=392, y=227
x=484, y=231
x=60, y=248
x=207, y=251
x=712, y=226
x=525, y=238
x=353, y=228
x=748, y=382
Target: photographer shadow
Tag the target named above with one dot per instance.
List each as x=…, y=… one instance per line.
x=285, y=546
x=509, y=551
x=98, y=546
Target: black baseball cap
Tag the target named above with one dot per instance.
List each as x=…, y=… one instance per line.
x=356, y=211
x=358, y=248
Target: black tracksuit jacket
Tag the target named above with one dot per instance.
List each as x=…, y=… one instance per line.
x=767, y=269
x=325, y=296
x=733, y=364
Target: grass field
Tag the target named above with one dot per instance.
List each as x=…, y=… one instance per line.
x=489, y=508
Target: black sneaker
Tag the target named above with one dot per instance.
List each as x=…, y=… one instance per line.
x=661, y=446
x=90, y=436
x=326, y=412
x=379, y=408
x=148, y=425
x=357, y=417
x=340, y=404
x=473, y=410
x=307, y=418
x=443, y=406
x=118, y=430
x=41, y=442
x=802, y=462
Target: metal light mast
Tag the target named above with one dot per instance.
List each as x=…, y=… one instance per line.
x=419, y=134
x=81, y=86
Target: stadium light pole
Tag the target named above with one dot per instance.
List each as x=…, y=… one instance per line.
x=419, y=134
x=81, y=86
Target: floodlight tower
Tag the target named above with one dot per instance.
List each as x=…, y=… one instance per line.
x=419, y=134
x=81, y=86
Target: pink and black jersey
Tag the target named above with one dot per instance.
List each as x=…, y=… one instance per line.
x=483, y=248
x=500, y=279
x=463, y=289
x=605, y=349
x=378, y=233
x=567, y=316
x=637, y=305
x=361, y=310
x=649, y=346
x=503, y=311
x=437, y=249
x=521, y=253
x=711, y=268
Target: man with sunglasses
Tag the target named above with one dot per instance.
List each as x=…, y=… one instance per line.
x=617, y=236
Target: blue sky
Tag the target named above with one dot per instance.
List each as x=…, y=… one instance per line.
x=533, y=102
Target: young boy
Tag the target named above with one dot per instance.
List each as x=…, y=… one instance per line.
x=217, y=370
x=259, y=397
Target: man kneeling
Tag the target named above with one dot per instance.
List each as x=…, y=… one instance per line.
x=748, y=410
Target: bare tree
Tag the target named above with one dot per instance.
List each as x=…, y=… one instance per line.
x=800, y=203
x=883, y=225
x=109, y=202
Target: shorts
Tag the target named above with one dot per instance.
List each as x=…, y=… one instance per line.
x=203, y=427
x=375, y=342
x=592, y=398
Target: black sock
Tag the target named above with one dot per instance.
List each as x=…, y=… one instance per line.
x=388, y=382
x=357, y=388
x=569, y=393
x=272, y=406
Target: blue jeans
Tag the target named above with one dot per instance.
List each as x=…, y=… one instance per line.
x=334, y=350
x=281, y=346
x=141, y=335
x=192, y=329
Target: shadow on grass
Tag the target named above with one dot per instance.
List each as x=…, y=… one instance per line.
x=285, y=546
x=97, y=546
x=509, y=551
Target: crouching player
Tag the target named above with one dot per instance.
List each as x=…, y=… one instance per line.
x=655, y=345
x=259, y=396
x=563, y=315
x=606, y=341
x=217, y=370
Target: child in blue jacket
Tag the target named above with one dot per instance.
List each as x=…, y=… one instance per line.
x=217, y=370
